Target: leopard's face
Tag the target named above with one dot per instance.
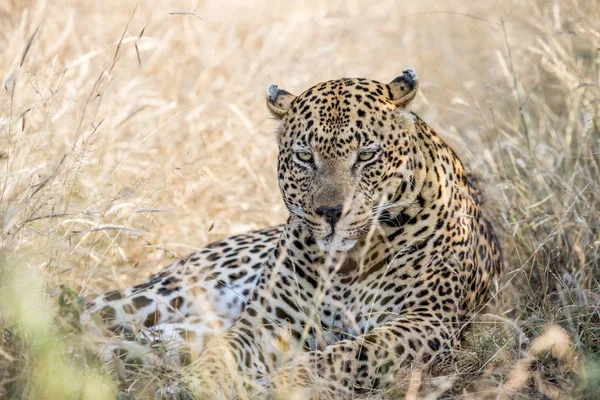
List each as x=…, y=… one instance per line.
x=347, y=152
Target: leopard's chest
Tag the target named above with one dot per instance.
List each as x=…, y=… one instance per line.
x=349, y=310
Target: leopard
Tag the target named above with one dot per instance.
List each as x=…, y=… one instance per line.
x=384, y=258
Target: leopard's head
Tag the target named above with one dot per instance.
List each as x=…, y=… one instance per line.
x=348, y=154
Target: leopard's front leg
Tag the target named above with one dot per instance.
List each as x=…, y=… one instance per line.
x=374, y=359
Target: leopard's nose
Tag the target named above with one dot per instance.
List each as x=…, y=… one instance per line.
x=331, y=214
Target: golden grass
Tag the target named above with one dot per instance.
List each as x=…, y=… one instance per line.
x=130, y=135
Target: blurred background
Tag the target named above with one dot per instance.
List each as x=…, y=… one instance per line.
x=133, y=133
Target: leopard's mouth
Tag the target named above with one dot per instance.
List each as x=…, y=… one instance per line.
x=333, y=242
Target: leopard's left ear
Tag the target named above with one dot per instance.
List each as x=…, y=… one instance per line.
x=404, y=88
x=279, y=101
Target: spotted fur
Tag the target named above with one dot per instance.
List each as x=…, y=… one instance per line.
x=384, y=255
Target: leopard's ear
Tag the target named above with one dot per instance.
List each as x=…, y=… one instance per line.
x=279, y=101
x=404, y=88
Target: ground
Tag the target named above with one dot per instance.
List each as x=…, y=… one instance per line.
x=130, y=136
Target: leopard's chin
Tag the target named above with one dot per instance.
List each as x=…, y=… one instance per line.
x=335, y=243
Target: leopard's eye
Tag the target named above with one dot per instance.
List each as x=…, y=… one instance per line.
x=366, y=156
x=304, y=156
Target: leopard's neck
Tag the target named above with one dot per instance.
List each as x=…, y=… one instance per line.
x=443, y=176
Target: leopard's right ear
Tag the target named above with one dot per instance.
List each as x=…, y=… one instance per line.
x=279, y=101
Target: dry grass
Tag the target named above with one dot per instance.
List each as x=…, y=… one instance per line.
x=129, y=136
